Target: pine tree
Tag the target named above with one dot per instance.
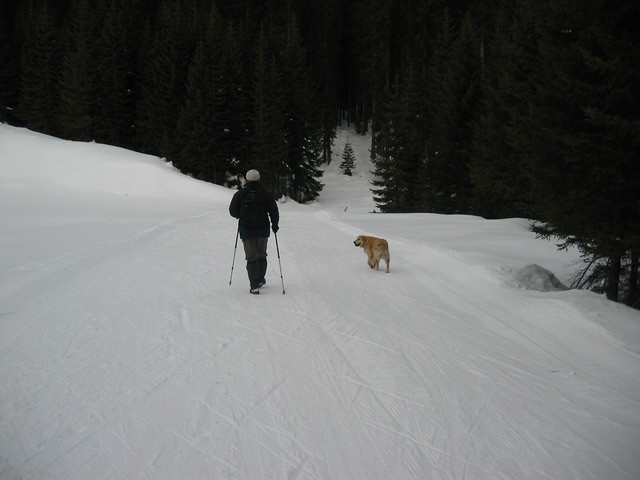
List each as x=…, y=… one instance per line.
x=196, y=139
x=303, y=126
x=196, y=142
x=268, y=152
x=166, y=49
x=323, y=26
x=232, y=105
x=37, y=102
x=9, y=74
x=348, y=159
x=373, y=45
x=499, y=174
x=115, y=112
x=582, y=133
x=454, y=94
x=78, y=87
x=400, y=160
x=386, y=192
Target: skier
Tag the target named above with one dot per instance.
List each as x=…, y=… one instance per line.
x=253, y=206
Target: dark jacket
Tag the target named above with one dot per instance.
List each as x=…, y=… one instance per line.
x=235, y=209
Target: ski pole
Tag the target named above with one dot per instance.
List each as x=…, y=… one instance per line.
x=235, y=248
x=279, y=263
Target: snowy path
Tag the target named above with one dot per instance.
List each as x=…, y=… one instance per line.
x=133, y=358
x=168, y=376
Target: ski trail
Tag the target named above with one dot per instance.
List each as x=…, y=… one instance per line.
x=157, y=375
x=472, y=308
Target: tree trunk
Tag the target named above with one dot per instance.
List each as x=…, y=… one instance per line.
x=374, y=127
x=633, y=294
x=613, y=278
x=326, y=148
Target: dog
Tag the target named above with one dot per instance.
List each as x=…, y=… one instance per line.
x=376, y=249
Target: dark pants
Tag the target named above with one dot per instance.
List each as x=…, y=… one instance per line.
x=255, y=251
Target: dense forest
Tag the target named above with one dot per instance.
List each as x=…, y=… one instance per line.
x=496, y=108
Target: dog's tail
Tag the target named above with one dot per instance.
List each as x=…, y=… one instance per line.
x=383, y=245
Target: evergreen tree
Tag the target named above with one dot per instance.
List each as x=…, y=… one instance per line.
x=166, y=50
x=385, y=191
x=269, y=151
x=115, y=113
x=583, y=132
x=454, y=94
x=232, y=105
x=323, y=29
x=78, y=87
x=415, y=29
x=500, y=176
x=195, y=141
x=302, y=122
x=37, y=102
x=210, y=132
x=9, y=74
x=399, y=165
x=348, y=159
x=373, y=44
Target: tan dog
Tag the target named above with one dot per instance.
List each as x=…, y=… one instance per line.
x=375, y=248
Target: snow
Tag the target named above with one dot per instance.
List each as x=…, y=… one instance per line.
x=126, y=354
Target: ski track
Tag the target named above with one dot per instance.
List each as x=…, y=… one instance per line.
x=190, y=374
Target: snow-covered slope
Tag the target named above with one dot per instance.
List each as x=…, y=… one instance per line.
x=126, y=354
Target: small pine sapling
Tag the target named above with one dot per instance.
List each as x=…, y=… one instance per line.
x=348, y=159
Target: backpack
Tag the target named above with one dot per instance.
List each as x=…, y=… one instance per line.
x=253, y=212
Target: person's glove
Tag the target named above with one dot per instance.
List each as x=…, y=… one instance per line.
x=275, y=228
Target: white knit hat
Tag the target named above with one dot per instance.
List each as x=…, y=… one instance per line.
x=252, y=176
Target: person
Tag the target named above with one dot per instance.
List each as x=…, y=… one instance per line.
x=254, y=206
